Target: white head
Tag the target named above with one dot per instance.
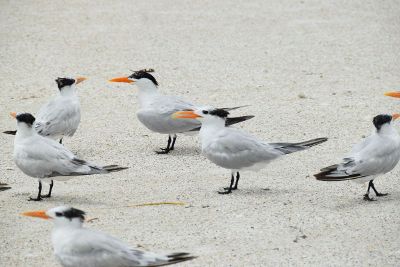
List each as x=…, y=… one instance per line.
x=66, y=85
x=142, y=78
x=62, y=216
x=207, y=115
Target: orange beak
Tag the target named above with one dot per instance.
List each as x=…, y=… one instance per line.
x=395, y=116
x=36, y=213
x=13, y=114
x=393, y=94
x=121, y=80
x=189, y=114
x=79, y=80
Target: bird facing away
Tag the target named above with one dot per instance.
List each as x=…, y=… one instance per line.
x=46, y=159
x=60, y=116
x=155, y=109
x=377, y=154
x=76, y=246
x=234, y=149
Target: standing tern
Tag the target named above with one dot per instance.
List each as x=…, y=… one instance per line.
x=46, y=159
x=60, y=116
x=155, y=109
x=77, y=246
x=234, y=149
x=377, y=154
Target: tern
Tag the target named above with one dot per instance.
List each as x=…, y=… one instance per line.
x=234, y=149
x=375, y=155
x=60, y=116
x=46, y=159
x=155, y=109
x=76, y=246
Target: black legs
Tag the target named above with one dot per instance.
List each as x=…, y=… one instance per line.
x=237, y=181
x=371, y=185
x=51, y=188
x=39, y=196
x=173, y=142
x=170, y=145
x=229, y=189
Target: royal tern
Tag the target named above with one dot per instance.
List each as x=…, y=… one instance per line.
x=77, y=246
x=234, y=149
x=377, y=154
x=60, y=116
x=46, y=159
x=155, y=109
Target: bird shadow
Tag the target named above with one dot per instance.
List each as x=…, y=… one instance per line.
x=257, y=192
x=185, y=151
x=356, y=202
x=75, y=200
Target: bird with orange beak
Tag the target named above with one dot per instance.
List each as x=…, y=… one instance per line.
x=155, y=109
x=76, y=246
x=234, y=149
x=373, y=156
x=60, y=116
x=46, y=159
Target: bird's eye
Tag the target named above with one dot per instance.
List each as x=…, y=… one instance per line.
x=58, y=214
x=205, y=112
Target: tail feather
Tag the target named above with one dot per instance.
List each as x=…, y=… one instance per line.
x=230, y=121
x=332, y=174
x=114, y=168
x=234, y=120
x=4, y=187
x=10, y=132
x=288, y=148
x=178, y=257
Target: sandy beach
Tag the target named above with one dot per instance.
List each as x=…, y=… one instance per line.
x=307, y=69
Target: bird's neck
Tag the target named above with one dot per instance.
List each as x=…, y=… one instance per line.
x=75, y=223
x=387, y=129
x=209, y=128
x=24, y=131
x=147, y=93
x=68, y=91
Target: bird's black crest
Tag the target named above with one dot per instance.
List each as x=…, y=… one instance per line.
x=219, y=112
x=72, y=213
x=26, y=117
x=61, y=82
x=144, y=74
x=380, y=120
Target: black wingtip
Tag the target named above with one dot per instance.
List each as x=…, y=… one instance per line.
x=10, y=132
x=114, y=168
x=180, y=257
x=233, y=120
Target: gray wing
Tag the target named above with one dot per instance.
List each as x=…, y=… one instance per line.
x=157, y=115
x=90, y=248
x=375, y=157
x=372, y=156
x=58, y=117
x=42, y=157
x=234, y=149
